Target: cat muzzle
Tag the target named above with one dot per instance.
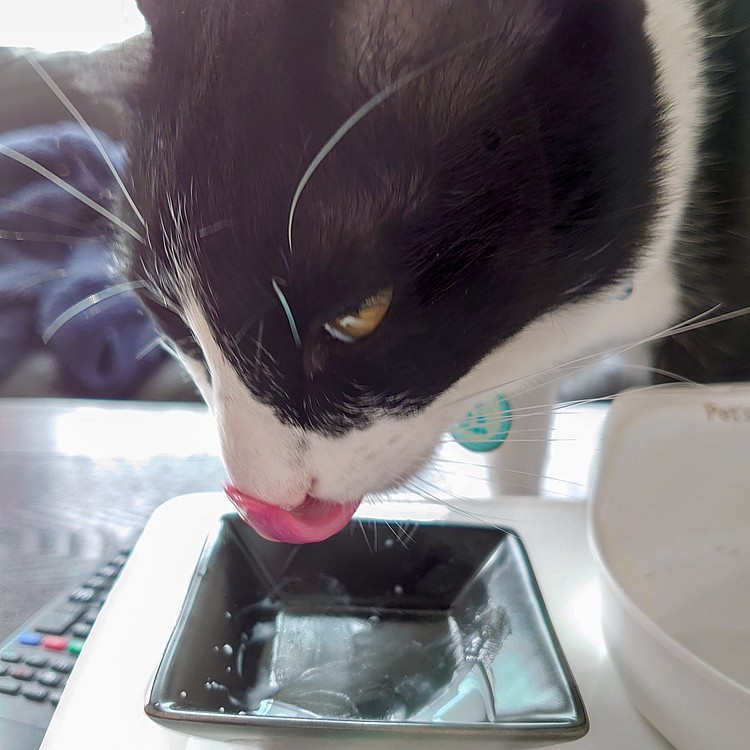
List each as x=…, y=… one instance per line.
x=312, y=521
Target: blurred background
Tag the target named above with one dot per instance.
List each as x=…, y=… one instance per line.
x=68, y=327
x=81, y=25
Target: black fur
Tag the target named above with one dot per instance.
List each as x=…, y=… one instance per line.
x=518, y=174
x=713, y=251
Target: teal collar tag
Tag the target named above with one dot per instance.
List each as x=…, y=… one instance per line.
x=486, y=426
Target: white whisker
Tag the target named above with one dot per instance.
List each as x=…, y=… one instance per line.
x=508, y=441
x=361, y=113
x=167, y=344
x=509, y=484
x=214, y=228
x=259, y=348
x=37, y=280
x=11, y=153
x=483, y=520
x=7, y=234
x=32, y=210
x=146, y=350
x=364, y=534
x=60, y=94
x=563, y=370
x=287, y=311
x=85, y=304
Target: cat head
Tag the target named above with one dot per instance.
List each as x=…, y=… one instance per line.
x=361, y=214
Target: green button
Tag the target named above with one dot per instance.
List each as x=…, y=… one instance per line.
x=486, y=426
x=74, y=646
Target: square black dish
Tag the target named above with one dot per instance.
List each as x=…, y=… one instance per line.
x=444, y=631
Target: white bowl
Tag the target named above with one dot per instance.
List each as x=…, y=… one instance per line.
x=670, y=528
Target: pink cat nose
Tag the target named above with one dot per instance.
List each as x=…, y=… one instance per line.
x=312, y=521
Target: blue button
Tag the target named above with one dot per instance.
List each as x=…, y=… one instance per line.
x=29, y=639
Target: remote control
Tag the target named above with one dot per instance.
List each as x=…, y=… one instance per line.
x=37, y=659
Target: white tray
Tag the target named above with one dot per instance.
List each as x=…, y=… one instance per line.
x=103, y=705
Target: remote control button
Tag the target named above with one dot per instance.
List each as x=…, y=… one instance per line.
x=35, y=693
x=75, y=646
x=109, y=571
x=36, y=660
x=90, y=617
x=22, y=672
x=29, y=639
x=83, y=595
x=54, y=697
x=120, y=560
x=59, y=620
x=49, y=678
x=81, y=630
x=97, y=582
x=54, y=643
x=10, y=656
x=64, y=666
x=9, y=686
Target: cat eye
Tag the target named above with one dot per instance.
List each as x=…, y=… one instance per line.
x=357, y=325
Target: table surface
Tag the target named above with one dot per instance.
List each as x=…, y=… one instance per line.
x=80, y=478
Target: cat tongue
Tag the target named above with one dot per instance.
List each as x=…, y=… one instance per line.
x=313, y=521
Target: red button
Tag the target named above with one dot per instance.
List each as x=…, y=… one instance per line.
x=54, y=643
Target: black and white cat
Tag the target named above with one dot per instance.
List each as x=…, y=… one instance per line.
x=358, y=216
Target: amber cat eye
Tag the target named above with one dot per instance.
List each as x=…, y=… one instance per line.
x=357, y=325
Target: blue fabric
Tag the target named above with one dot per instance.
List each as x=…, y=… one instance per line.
x=54, y=252
x=106, y=347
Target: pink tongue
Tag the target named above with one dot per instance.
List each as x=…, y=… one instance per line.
x=313, y=521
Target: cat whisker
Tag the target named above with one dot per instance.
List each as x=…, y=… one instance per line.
x=558, y=407
x=240, y=335
x=7, y=234
x=38, y=280
x=397, y=535
x=259, y=348
x=542, y=409
x=406, y=532
x=364, y=534
x=60, y=94
x=85, y=304
x=359, y=114
x=167, y=344
x=17, y=156
x=146, y=350
x=153, y=292
x=692, y=326
x=508, y=441
x=214, y=228
x=42, y=213
x=563, y=370
x=458, y=473
x=482, y=520
x=511, y=471
x=287, y=311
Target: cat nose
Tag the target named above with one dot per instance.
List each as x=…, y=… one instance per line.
x=311, y=521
